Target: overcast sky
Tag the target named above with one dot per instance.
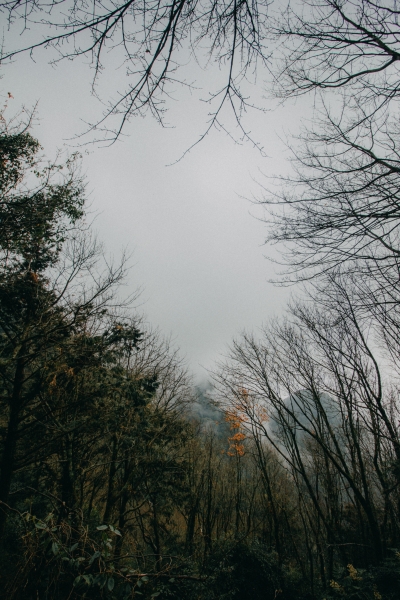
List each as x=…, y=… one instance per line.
x=197, y=246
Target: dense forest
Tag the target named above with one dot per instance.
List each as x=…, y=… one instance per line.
x=281, y=479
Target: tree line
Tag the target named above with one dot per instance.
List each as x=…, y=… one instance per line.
x=112, y=484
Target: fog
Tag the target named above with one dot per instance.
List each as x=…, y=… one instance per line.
x=195, y=237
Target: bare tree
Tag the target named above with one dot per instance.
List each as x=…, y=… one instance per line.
x=324, y=45
x=152, y=40
x=341, y=208
x=317, y=388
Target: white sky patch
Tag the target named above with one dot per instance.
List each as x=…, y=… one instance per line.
x=197, y=247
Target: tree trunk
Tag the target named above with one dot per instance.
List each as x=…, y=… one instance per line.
x=10, y=443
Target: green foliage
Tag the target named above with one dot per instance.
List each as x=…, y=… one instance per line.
x=35, y=219
x=245, y=571
x=61, y=561
x=17, y=153
x=377, y=583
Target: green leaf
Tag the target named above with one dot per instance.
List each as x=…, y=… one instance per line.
x=110, y=584
x=102, y=527
x=94, y=556
x=114, y=530
x=77, y=580
x=100, y=579
x=74, y=547
x=54, y=548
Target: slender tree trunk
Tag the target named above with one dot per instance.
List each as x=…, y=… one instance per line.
x=10, y=443
x=121, y=525
x=156, y=531
x=110, y=487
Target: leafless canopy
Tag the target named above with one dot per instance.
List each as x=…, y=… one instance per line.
x=340, y=208
x=328, y=44
x=152, y=39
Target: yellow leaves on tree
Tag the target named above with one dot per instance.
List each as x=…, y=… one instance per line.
x=262, y=414
x=248, y=403
x=63, y=370
x=235, y=420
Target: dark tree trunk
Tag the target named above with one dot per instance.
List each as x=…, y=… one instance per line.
x=10, y=443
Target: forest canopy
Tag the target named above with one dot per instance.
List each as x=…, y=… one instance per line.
x=119, y=479
x=284, y=49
